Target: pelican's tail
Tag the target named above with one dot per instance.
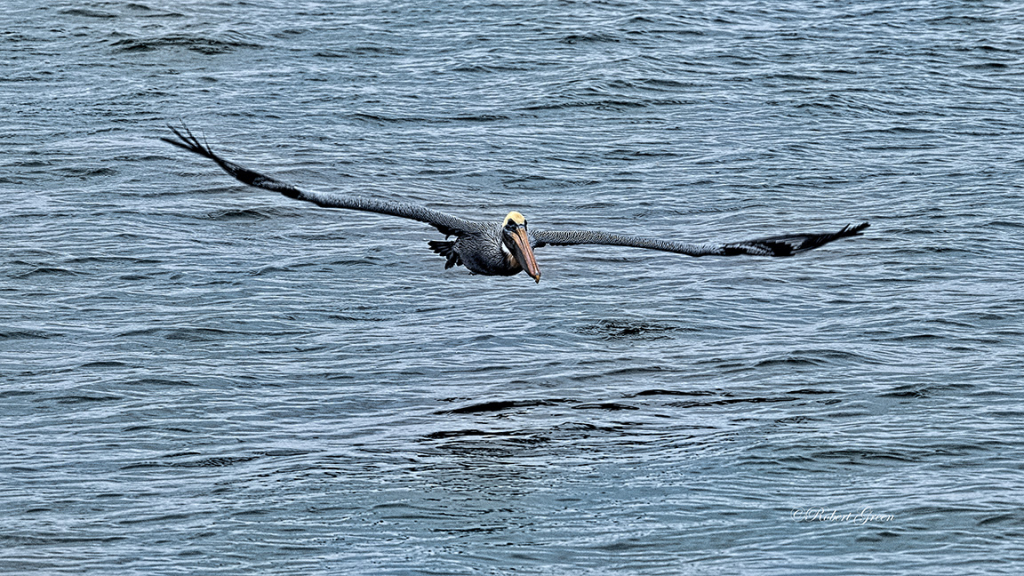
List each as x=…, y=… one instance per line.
x=446, y=249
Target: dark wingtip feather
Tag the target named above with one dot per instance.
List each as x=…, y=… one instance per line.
x=817, y=240
x=791, y=244
x=188, y=141
x=855, y=230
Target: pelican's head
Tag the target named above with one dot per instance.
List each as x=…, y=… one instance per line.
x=515, y=238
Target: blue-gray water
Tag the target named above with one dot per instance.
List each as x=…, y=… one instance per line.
x=198, y=377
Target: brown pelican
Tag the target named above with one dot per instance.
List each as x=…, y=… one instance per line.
x=506, y=249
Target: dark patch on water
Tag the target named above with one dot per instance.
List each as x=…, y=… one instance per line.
x=616, y=329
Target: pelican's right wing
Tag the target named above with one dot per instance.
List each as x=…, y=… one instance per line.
x=786, y=245
x=446, y=224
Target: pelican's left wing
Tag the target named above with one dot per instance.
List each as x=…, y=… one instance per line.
x=786, y=245
x=445, y=223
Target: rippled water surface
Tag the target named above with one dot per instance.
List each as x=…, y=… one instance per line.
x=198, y=377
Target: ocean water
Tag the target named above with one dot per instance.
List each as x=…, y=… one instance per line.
x=198, y=377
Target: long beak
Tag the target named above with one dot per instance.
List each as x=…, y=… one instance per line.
x=524, y=254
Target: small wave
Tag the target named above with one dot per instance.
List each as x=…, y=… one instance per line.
x=47, y=271
x=86, y=13
x=445, y=434
x=84, y=398
x=499, y=406
x=985, y=66
x=16, y=393
x=727, y=401
x=818, y=357
x=211, y=462
x=663, y=392
x=388, y=119
x=251, y=214
x=511, y=436
x=901, y=130
x=588, y=38
x=1005, y=224
x=1013, y=518
x=111, y=260
x=57, y=539
x=131, y=333
x=486, y=68
x=811, y=391
x=208, y=46
x=918, y=337
x=26, y=335
x=667, y=83
x=371, y=49
x=796, y=420
x=908, y=391
x=613, y=406
x=158, y=382
x=197, y=334
x=425, y=120
x=215, y=462
x=540, y=182
x=104, y=364
x=631, y=371
x=480, y=118
x=79, y=172
x=865, y=456
x=604, y=104
x=794, y=77
x=791, y=361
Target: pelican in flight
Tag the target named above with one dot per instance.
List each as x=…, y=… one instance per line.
x=505, y=248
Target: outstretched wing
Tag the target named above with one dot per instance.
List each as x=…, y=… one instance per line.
x=446, y=224
x=786, y=245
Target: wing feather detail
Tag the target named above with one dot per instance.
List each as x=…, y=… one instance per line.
x=785, y=245
x=445, y=223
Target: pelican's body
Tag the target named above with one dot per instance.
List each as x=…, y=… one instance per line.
x=506, y=248
x=492, y=249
